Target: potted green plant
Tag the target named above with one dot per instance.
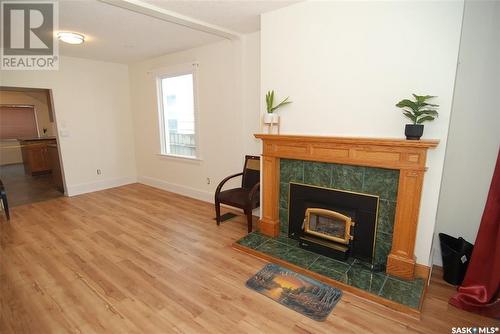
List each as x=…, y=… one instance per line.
x=418, y=111
x=270, y=117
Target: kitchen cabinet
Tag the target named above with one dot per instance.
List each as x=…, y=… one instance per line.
x=36, y=158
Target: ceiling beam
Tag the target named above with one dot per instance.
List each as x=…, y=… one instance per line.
x=173, y=17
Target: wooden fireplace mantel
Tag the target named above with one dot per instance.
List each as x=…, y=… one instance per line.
x=407, y=156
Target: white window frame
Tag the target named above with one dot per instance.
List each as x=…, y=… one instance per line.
x=178, y=70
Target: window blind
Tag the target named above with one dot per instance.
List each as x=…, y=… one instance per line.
x=17, y=122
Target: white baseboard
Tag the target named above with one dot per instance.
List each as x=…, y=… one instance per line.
x=82, y=188
x=202, y=195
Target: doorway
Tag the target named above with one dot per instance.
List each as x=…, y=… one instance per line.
x=30, y=167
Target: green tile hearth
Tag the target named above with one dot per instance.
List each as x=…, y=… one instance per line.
x=403, y=292
x=329, y=263
x=300, y=257
x=352, y=272
x=328, y=272
x=288, y=241
x=362, y=278
x=253, y=240
x=274, y=248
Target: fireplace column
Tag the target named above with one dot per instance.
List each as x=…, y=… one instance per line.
x=401, y=260
x=270, y=222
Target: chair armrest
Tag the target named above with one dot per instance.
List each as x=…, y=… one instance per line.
x=252, y=192
x=221, y=184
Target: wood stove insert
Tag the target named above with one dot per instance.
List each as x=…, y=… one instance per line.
x=335, y=223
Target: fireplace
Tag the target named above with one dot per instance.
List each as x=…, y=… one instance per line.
x=335, y=223
x=406, y=157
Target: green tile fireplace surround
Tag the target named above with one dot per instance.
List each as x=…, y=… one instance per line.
x=366, y=180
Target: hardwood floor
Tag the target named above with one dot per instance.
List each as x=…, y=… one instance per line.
x=136, y=259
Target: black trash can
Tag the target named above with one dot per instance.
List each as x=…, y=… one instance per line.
x=456, y=253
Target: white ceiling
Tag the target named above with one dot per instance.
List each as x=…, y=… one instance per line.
x=241, y=16
x=119, y=35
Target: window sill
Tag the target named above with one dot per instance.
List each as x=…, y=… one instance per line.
x=179, y=158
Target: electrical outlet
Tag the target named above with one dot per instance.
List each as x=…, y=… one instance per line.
x=208, y=180
x=98, y=171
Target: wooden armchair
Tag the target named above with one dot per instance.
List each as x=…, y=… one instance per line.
x=247, y=196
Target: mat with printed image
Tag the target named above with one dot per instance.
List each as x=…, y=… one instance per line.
x=300, y=293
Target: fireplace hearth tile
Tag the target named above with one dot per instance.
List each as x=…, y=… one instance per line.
x=346, y=177
x=326, y=262
x=284, y=239
x=328, y=272
x=353, y=272
x=382, y=182
x=274, y=248
x=253, y=240
x=300, y=257
x=362, y=278
x=318, y=174
x=403, y=292
x=386, y=213
x=291, y=170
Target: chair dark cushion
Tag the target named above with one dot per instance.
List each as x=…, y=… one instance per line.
x=250, y=178
x=237, y=197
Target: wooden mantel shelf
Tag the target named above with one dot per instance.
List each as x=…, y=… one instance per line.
x=427, y=143
x=407, y=156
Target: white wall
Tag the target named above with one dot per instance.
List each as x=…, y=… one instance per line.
x=474, y=136
x=228, y=95
x=345, y=64
x=91, y=101
x=251, y=92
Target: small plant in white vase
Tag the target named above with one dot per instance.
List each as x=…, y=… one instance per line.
x=270, y=117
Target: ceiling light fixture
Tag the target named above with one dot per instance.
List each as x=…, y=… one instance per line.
x=70, y=37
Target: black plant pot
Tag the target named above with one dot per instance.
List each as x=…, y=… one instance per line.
x=414, y=131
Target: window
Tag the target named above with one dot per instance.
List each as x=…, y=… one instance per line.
x=177, y=114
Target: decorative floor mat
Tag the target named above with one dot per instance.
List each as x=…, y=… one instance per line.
x=300, y=293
